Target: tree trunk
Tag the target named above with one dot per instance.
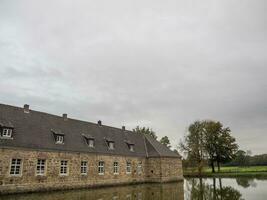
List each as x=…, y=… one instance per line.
x=212, y=166
x=199, y=168
x=201, y=189
x=220, y=182
x=214, y=188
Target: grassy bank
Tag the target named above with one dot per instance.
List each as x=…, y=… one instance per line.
x=253, y=171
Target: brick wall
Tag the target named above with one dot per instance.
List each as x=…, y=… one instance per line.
x=153, y=170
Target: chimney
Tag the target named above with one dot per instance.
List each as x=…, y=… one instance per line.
x=26, y=108
x=65, y=117
x=99, y=123
x=123, y=128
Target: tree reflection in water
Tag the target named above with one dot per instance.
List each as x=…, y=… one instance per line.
x=200, y=190
x=246, y=182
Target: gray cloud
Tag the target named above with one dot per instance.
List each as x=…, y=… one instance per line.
x=148, y=63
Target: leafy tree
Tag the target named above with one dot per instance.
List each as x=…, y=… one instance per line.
x=193, y=145
x=209, y=140
x=145, y=131
x=227, y=147
x=219, y=144
x=165, y=140
x=212, y=131
x=242, y=158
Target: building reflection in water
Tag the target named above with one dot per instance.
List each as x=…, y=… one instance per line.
x=167, y=191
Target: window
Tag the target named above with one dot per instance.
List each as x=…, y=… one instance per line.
x=131, y=147
x=7, y=132
x=139, y=168
x=15, y=168
x=84, y=167
x=40, y=169
x=59, y=139
x=91, y=142
x=111, y=145
x=101, y=169
x=116, y=168
x=64, y=167
x=89, y=139
x=128, y=167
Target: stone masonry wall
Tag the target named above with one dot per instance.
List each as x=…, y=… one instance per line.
x=29, y=181
x=163, y=169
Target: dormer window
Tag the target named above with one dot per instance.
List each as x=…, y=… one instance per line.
x=91, y=143
x=110, y=143
x=7, y=132
x=59, y=137
x=130, y=145
x=90, y=140
x=6, y=129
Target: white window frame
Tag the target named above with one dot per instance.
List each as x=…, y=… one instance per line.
x=115, y=167
x=64, y=171
x=41, y=167
x=91, y=143
x=15, y=167
x=101, y=167
x=7, y=132
x=59, y=139
x=111, y=145
x=128, y=167
x=84, y=167
x=131, y=147
x=139, y=168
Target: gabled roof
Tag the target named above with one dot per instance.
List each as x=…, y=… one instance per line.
x=35, y=130
x=156, y=149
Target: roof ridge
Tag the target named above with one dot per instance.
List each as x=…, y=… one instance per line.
x=148, y=136
x=69, y=118
x=152, y=141
x=37, y=126
x=145, y=146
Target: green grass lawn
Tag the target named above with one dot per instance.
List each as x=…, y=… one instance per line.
x=231, y=171
x=240, y=169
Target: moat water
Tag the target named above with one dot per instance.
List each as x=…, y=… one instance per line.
x=190, y=189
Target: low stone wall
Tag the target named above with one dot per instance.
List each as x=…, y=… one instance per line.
x=153, y=170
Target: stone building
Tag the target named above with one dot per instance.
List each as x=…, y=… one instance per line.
x=40, y=151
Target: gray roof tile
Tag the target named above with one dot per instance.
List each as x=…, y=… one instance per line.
x=35, y=130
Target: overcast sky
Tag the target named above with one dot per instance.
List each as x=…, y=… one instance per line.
x=161, y=64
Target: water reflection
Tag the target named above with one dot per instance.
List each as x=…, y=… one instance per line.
x=200, y=189
x=246, y=182
x=170, y=191
x=190, y=189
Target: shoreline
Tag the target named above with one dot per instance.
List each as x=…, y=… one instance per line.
x=230, y=172
x=227, y=175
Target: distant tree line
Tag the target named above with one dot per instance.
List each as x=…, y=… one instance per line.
x=148, y=131
x=244, y=158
